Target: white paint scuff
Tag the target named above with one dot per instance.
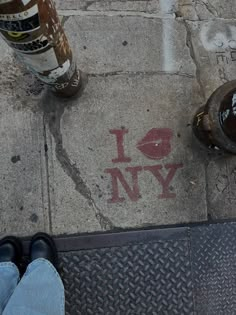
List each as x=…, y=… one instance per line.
x=60, y=71
x=218, y=37
x=168, y=50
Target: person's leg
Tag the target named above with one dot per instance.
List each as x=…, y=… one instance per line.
x=10, y=255
x=9, y=277
x=40, y=292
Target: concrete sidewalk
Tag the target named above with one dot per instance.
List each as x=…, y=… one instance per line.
x=122, y=155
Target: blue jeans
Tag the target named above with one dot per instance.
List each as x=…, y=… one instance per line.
x=40, y=291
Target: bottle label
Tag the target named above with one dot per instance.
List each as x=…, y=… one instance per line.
x=26, y=21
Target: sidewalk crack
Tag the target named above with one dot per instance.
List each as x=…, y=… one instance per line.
x=53, y=119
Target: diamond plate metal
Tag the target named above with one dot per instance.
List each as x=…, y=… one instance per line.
x=138, y=279
x=214, y=268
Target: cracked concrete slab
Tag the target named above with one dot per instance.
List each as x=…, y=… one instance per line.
x=71, y=211
x=187, y=9
x=23, y=181
x=146, y=6
x=155, y=186
x=208, y=9
x=221, y=179
x=124, y=46
x=205, y=9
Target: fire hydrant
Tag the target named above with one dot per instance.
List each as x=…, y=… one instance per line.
x=32, y=28
x=215, y=123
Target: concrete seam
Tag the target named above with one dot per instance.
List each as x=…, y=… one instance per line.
x=192, y=53
x=47, y=174
x=207, y=190
x=136, y=73
x=64, y=20
x=210, y=8
x=118, y=13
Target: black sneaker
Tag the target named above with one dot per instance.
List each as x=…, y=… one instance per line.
x=11, y=250
x=43, y=246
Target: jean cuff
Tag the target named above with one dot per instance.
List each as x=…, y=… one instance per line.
x=10, y=265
